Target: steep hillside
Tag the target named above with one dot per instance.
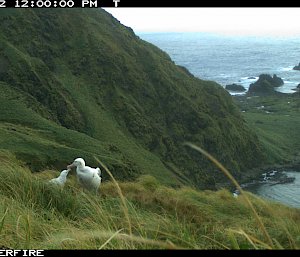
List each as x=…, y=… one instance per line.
x=78, y=83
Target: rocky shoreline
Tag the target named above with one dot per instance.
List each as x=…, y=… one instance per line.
x=272, y=177
x=255, y=174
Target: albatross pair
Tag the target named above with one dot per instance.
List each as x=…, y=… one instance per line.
x=88, y=178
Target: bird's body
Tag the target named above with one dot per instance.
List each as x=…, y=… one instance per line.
x=88, y=178
x=61, y=179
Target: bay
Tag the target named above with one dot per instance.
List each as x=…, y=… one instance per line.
x=287, y=193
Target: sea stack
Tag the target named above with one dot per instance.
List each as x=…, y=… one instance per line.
x=265, y=84
x=297, y=67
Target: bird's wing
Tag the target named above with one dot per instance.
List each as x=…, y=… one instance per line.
x=89, y=178
x=54, y=181
x=92, y=171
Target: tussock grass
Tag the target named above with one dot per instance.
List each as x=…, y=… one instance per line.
x=233, y=180
x=34, y=214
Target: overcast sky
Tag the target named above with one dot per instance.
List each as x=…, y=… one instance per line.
x=230, y=21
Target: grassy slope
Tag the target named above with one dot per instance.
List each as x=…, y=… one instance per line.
x=87, y=85
x=277, y=125
x=39, y=141
x=36, y=215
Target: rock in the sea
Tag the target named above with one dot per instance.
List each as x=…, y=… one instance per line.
x=235, y=87
x=284, y=181
x=297, y=89
x=265, y=84
x=251, y=78
x=263, y=87
x=277, y=81
x=274, y=81
x=297, y=67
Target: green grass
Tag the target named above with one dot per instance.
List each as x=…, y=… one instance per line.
x=279, y=129
x=36, y=215
x=42, y=143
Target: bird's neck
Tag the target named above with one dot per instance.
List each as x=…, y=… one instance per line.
x=80, y=168
x=63, y=177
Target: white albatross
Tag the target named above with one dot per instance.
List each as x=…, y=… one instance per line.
x=88, y=178
x=61, y=179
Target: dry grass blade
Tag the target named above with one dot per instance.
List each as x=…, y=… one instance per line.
x=232, y=179
x=233, y=240
x=167, y=245
x=27, y=231
x=123, y=200
x=174, y=237
x=243, y=233
x=279, y=246
x=281, y=224
x=252, y=240
x=2, y=220
x=18, y=236
x=216, y=242
x=109, y=239
x=82, y=236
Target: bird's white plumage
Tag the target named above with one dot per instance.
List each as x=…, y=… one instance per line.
x=61, y=179
x=99, y=172
x=88, y=178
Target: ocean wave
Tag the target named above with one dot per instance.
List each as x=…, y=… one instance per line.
x=249, y=78
x=290, y=82
x=289, y=68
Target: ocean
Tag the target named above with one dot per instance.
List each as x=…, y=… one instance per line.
x=239, y=60
x=232, y=59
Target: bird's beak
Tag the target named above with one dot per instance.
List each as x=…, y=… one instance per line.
x=69, y=167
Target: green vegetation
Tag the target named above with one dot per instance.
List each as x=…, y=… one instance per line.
x=36, y=215
x=276, y=121
x=78, y=83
